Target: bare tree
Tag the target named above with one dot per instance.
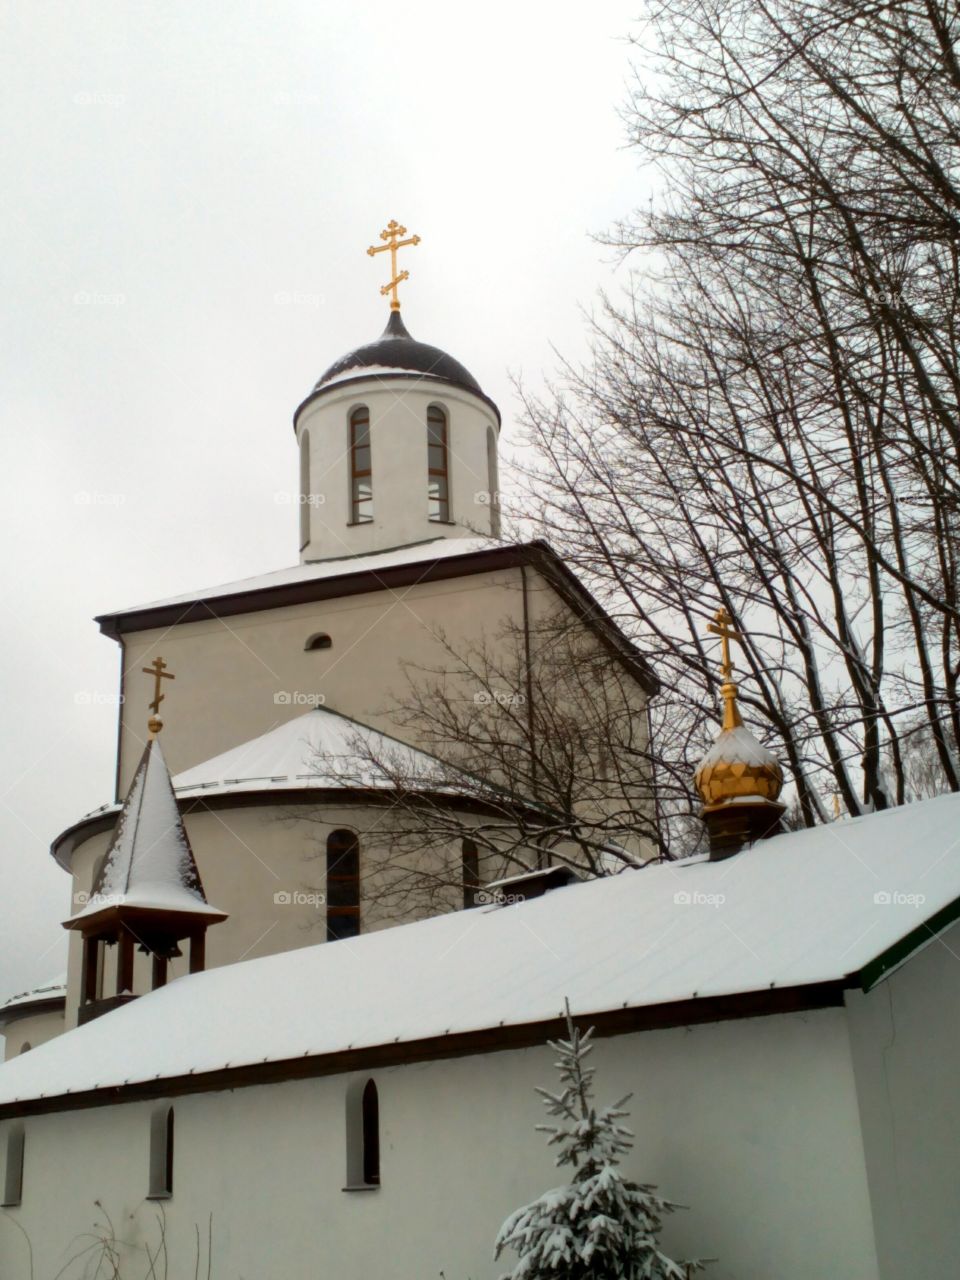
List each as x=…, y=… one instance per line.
x=770, y=421
x=540, y=756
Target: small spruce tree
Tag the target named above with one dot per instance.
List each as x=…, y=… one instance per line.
x=601, y=1226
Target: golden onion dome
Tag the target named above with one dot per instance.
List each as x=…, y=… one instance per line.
x=737, y=767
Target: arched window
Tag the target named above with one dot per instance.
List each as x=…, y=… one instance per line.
x=161, y=1153
x=343, y=885
x=471, y=872
x=361, y=471
x=493, y=480
x=13, y=1179
x=304, y=489
x=370, y=1107
x=363, y=1136
x=438, y=479
x=319, y=640
x=26, y=1047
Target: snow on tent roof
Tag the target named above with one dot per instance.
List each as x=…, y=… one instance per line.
x=316, y=570
x=801, y=908
x=149, y=862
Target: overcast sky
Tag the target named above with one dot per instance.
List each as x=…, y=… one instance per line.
x=189, y=189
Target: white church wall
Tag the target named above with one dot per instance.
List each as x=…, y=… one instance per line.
x=753, y=1124
x=267, y=870
x=906, y=1047
x=240, y=677
x=27, y=1033
x=398, y=448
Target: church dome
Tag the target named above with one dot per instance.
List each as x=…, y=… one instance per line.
x=395, y=351
x=737, y=767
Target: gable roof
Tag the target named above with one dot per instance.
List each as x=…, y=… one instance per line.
x=788, y=923
x=431, y=561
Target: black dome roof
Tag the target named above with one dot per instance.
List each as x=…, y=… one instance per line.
x=395, y=349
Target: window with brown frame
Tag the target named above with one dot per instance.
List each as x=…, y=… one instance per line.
x=343, y=885
x=304, y=489
x=438, y=479
x=361, y=471
x=370, y=1110
x=470, y=857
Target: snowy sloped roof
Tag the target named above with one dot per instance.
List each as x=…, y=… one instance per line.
x=55, y=989
x=319, y=749
x=317, y=570
x=803, y=908
x=149, y=863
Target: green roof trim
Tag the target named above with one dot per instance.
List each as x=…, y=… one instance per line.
x=877, y=969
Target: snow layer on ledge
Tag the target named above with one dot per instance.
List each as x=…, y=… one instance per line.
x=319, y=749
x=801, y=908
x=416, y=553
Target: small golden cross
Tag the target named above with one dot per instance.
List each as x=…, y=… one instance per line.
x=159, y=672
x=392, y=236
x=722, y=626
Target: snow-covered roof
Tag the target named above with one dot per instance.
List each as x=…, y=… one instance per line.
x=318, y=749
x=149, y=863
x=318, y=570
x=802, y=908
x=55, y=989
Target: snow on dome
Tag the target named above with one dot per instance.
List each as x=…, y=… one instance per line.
x=321, y=749
x=737, y=768
x=829, y=905
x=396, y=349
x=739, y=745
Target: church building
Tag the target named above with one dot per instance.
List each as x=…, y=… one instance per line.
x=287, y=1043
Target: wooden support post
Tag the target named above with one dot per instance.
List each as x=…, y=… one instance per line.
x=197, y=951
x=159, y=971
x=125, y=962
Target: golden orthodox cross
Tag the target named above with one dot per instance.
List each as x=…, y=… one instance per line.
x=159, y=672
x=393, y=235
x=722, y=626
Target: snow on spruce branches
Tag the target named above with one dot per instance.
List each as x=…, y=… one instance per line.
x=600, y=1226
